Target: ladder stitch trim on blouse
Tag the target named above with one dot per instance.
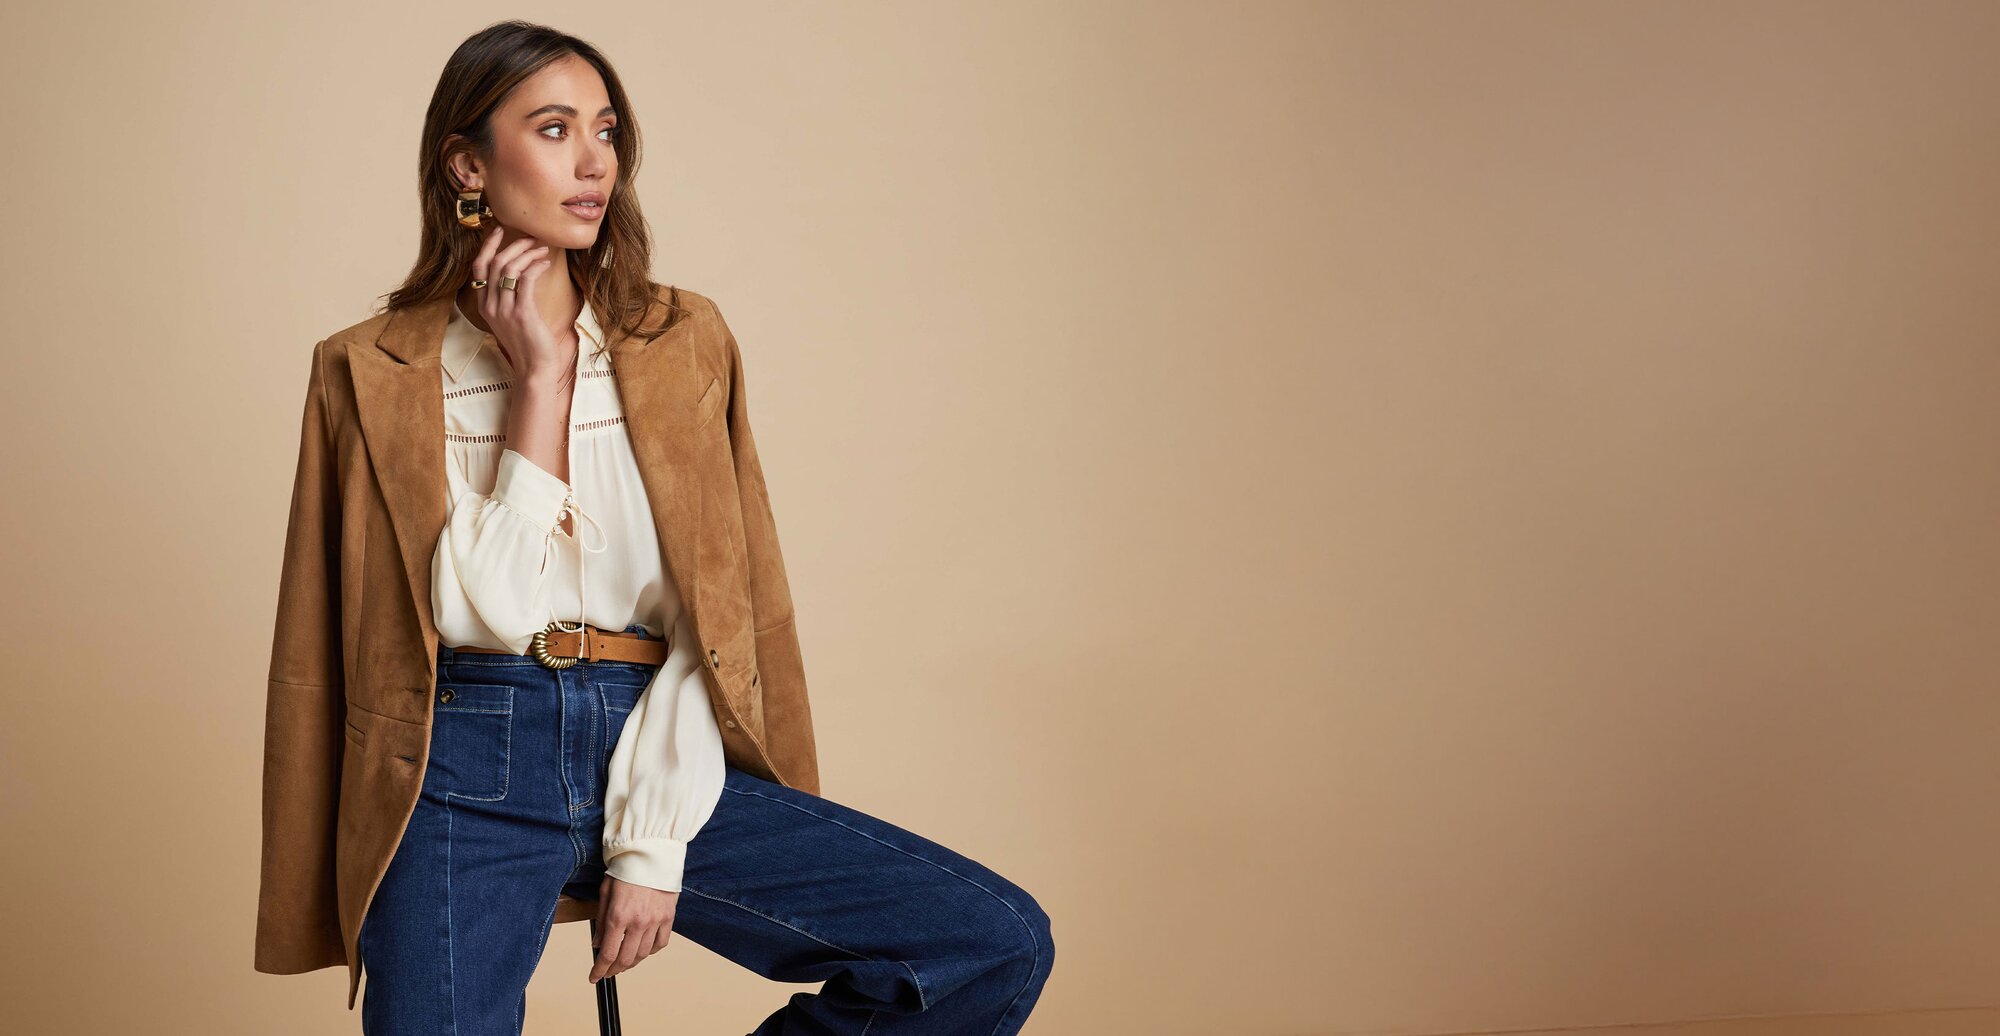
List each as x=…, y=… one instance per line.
x=502, y=437
x=493, y=386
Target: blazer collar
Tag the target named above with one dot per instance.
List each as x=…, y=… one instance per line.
x=399, y=397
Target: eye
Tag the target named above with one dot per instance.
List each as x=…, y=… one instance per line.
x=613, y=130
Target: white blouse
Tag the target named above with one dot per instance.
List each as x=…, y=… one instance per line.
x=504, y=568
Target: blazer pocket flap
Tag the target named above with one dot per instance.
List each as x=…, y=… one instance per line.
x=710, y=403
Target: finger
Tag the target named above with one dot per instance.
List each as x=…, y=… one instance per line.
x=508, y=305
x=641, y=943
x=514, y=248
x=518, y=269
x=482, y=262
x=598, y=929
x=517, y=303
x=606, y=958
x=519, y=264
x=533, y=273
x=485, y=269
x=628, y=951
x=498, y=267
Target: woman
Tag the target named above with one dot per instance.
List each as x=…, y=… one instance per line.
x=535, y=643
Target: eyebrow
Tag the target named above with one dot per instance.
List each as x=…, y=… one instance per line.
x=563, y=109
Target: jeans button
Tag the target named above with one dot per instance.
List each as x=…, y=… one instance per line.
x=446, y=695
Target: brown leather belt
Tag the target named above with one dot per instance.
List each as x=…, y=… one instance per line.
x=562, y=648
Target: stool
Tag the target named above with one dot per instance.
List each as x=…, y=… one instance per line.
x=570, y=908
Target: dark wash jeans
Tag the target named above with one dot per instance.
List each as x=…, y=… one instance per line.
x=907, y=936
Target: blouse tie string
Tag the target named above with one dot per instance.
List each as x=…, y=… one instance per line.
x=575, y=510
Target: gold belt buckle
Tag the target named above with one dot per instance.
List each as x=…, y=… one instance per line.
x=540, y=649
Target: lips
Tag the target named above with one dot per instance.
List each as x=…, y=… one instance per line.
x=588, y=205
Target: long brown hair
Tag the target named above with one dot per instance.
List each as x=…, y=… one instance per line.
x=615, y=273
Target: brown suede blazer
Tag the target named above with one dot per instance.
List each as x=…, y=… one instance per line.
x=354, y=653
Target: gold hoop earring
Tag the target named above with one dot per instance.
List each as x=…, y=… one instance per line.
x=473, y=212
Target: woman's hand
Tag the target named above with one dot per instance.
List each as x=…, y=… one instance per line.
x=532, y=351
x=633, y=923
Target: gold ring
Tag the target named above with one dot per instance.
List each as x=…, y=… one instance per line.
x=479, y=282
x=508, y=283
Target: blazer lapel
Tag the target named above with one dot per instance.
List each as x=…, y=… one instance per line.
x=659, y=383
x=399, y=393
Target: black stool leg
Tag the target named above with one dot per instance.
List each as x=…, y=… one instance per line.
x=607, y=994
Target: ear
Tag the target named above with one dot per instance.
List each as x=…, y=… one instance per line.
x=463, y=165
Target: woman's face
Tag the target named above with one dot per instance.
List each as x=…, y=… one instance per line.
x=552, y=150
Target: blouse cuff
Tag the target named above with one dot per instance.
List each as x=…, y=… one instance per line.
x=529, y=491
x=653, y=862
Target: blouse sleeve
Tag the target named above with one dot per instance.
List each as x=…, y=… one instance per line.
x=666, y=773
x=496, y=550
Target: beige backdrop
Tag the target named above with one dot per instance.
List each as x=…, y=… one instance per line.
x=1387, y=518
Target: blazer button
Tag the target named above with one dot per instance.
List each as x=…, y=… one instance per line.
x=446, y=695
x=729, y=723
x=714, y=662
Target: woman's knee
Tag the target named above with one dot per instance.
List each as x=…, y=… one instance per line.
x=1020, y=928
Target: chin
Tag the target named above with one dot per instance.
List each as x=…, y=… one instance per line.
x=564, y=237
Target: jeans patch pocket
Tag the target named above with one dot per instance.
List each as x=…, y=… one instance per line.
x=472, y=727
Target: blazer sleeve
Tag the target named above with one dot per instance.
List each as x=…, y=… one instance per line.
x=298, y=922
x=780, y=669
